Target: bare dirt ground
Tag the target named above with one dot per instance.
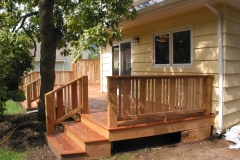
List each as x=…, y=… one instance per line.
x=29, y=138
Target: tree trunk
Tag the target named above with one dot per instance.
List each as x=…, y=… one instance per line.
x=50, y=37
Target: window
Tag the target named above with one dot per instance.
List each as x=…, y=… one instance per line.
x=173, y=49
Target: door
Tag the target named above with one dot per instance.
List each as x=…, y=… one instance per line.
x=121, y=62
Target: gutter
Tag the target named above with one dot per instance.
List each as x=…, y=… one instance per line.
x=220, y=65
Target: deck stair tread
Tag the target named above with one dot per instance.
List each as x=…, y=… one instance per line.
x=84, y=133
x=91, y=118
x=63, y=144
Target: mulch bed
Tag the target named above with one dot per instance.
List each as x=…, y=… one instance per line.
x=28, y=137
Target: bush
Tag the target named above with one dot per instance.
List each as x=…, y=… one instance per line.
x=15, y=62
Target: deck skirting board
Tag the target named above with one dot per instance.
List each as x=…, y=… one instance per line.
x=158, y=129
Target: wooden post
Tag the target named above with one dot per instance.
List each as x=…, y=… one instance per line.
x=112, y=103
x=208, y=94
x=28, y=96
x=50, y=112
x=85, y=94
x=74, y=95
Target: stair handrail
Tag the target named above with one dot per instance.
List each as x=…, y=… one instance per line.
x=65, y=101
x=29, y=78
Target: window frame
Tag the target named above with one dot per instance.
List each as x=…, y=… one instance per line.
x=171, y=64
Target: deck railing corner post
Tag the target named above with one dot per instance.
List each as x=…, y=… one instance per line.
x=50, y=112
x=112, y=102
x=208, y=94
x=85, y=109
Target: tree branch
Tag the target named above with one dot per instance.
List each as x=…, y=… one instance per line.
x=34, y=42
x=23, y=19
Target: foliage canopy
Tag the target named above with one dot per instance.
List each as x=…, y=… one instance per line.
x=56, y=24
x=15, y=62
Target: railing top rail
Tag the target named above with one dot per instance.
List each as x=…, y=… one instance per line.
x=57, y=89
x=33, y=81
x=29, y=74
x=88, y=60
x=62, y=71
x=159, y=76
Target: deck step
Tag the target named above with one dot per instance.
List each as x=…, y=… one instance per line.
x=63, y=147
x=83, y=132
x=94, y=144
x=95, y=124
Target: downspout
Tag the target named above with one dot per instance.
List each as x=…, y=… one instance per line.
x=220, y=61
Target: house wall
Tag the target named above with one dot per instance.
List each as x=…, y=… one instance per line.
x=205, y=46
x=59, y=65
x=205, y=54
x=231, y=55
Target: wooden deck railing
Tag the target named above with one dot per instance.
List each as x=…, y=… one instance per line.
x=32, y=83
x=63, y=102
x=131, y=97
x=29, y=78
x=90, y=68
x=32, y=91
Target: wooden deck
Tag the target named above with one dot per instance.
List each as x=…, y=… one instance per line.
x=144, y=106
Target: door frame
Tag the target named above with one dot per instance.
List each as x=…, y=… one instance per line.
x=120, y=58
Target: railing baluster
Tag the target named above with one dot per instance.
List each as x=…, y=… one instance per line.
x=158, y=99
x=148, y=97
x=142, y=98
x=172, y=94
x=119, y=84
x=152, y=97
x=74, y=95
x=28, y=96
x=68, y=98
x=137, y=96
x=185, y=93
x=126, y=97
x=65, y=100
x=80, y=92
x=133, y=97
x=197, y=90
x=59, y=103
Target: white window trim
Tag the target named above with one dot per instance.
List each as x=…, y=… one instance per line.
x=171, y=65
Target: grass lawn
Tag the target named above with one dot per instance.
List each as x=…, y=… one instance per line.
x=11, y=155
x=13, y=108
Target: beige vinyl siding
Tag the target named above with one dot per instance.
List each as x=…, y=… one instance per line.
x=231, y=54
x=231, y=119
x=205, y=46
x=106, y=70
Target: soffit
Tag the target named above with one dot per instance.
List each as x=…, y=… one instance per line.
x=169, y=9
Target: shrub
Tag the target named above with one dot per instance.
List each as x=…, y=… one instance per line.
x=15, y=62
